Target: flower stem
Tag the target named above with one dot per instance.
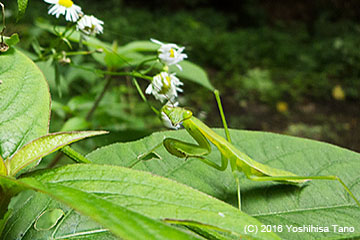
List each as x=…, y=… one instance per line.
x=143, y=96
x=98, y=71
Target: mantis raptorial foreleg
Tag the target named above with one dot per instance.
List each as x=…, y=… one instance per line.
x=186, y=150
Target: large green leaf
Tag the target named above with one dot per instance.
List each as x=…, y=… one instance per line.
x=190, y=71
x=42, y=147
x=24, y=102
x=139, y=46
x=319, y=203
x=121, y=221
x=153, y=196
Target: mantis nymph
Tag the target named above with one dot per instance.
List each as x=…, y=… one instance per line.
x=239, y=161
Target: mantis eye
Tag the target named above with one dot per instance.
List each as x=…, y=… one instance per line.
x=187, y=114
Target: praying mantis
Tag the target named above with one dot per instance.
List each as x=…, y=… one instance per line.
x=239, y=161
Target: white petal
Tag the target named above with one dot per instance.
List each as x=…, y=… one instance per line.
x=179, y=67
x=156, y=41
x=149, y=89
x=51, y=1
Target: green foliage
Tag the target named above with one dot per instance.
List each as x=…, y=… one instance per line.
x=91, y=81
x=12, y=40
x=164, y=199
x=106, y=213
x=25, y=102
x=102, y=211
x=22, y=5
x=116, y=110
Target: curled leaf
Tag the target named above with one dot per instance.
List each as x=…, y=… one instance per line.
x=43, y=146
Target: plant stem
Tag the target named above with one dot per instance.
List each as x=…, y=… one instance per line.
x=56, y=159
x=99, y=98
x=98, y=71
x=143, y=97
x=74, y=155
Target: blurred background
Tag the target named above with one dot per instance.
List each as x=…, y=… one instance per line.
x=291, y=67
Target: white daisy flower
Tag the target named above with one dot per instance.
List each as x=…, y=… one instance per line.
x=64, y=7
x=164, y=86
x=170, y=54
x=90, y=25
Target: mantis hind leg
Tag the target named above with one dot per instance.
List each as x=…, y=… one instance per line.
x=289, y=178
x=227, y=134
x=238, y=192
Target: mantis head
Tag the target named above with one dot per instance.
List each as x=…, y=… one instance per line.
x=174, y=116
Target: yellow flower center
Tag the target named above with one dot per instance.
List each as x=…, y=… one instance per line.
x=90, y=29
x=172, y=53
x=166, y=85
x=66, y=3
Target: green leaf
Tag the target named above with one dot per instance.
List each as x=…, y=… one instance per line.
x=131, y=226
x=319, y=203
x=8, y=189
x=28, y=205
x=12, y=40
x=43, y=146
x=32, y=205
x=75, y=124
x=4, y=221
x=153, y=196
x=193, y=73
x=139, y=46
x=24, y=102
x=22, y=4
